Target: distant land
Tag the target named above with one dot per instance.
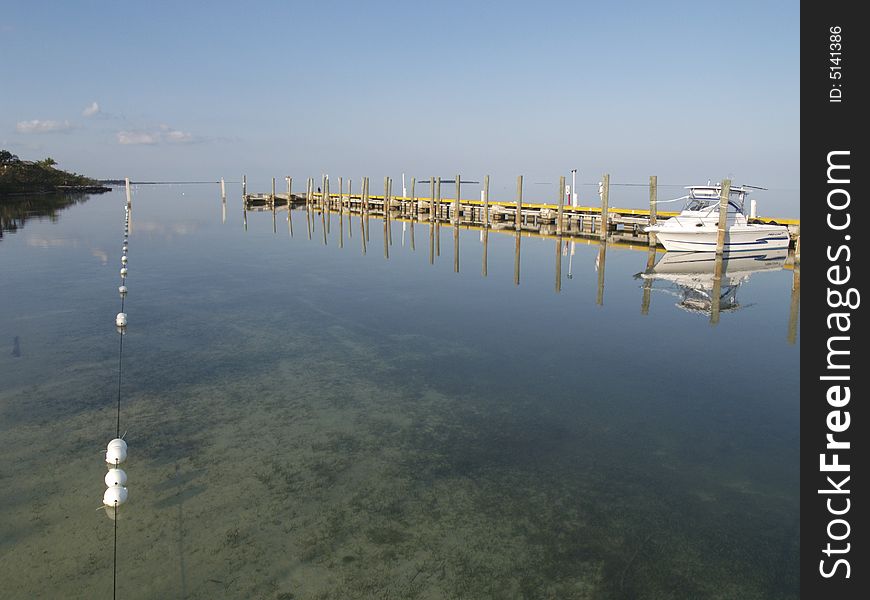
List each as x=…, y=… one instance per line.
x=26, y=177
x=123, y=182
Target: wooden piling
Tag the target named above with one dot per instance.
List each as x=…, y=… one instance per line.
x=128, y=191
x=309, y=191
x=367, y=184
x=485, y=203
x=653, y=199
x=432, y=199
x=438, y=200
x=723, y=216
x=414, y=199
x=274, y=215
x=223, y=189
x=244, y=188
x=386, y=196
x=561, y=205
x=349, y=212
x=326, y=214
x=519, y=215
x=605, y=203
x=290, y=204
x=323, y=212
x=389, y=201
x=456, y=209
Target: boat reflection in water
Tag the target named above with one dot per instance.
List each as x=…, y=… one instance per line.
x=692, y=277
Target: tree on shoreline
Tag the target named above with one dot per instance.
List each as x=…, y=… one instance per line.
x=27, y=177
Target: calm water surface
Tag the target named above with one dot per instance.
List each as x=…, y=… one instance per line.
x=309, y=419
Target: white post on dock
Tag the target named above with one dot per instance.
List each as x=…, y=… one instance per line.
x=574, y=187
x=404, y=189
x=223, y=189
x=127, y=188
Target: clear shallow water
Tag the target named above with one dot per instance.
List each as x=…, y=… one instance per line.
x=308, y=421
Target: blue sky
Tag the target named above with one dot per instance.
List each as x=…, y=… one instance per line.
x=688, y=91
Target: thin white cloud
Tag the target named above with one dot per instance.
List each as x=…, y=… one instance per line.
x=41, y=126
x=91, y=110
x=163, y=135
x=137, y=137
x=178, y=137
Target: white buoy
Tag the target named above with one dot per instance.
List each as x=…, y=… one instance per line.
x=121, y=319
x=122, y=290
x=123, y=271
x=115, y=496
x=124, y=259
x=116, y=451
x=124, y=248
x=116, y=478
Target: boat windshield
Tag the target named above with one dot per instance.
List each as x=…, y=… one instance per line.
x=696, y=204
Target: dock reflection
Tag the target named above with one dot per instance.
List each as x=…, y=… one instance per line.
x=702, y=284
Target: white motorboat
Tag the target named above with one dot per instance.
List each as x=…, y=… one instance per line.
x=696, y=228
x=691, y=276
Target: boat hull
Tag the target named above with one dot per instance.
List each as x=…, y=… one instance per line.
x=737, y=239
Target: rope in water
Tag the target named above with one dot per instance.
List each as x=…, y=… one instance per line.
x=121, y=332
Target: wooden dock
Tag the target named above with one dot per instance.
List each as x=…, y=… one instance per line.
x=576, y=221
x=601, y=227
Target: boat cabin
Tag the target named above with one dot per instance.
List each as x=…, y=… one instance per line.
x=702, y=197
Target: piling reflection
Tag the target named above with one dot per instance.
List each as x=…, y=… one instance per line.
x=795, y=304
x=431, y=243
x=386, y=239
x=647, y=283
x=702, y=284
x=558, y=265
x=600, y=262
x=456, y=248
x=484, y=237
